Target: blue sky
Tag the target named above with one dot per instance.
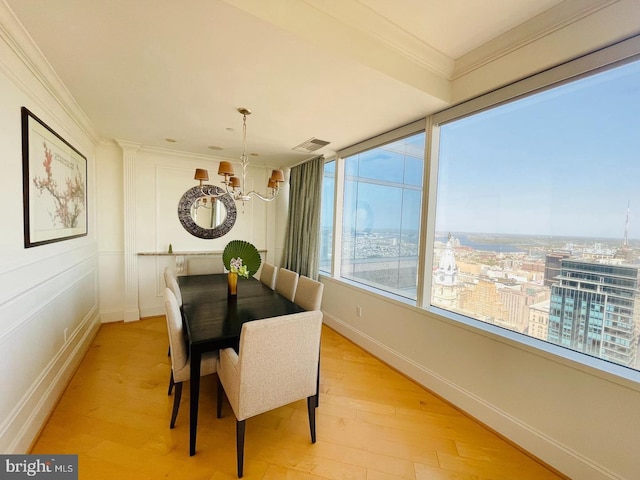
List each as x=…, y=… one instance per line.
x=563, y=162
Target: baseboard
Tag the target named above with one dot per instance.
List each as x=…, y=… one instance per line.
x=111, y=316
x=152, y=311
x=536, y=443
x=118, y=315
x=26, y=420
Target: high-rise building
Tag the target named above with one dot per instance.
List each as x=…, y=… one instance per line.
x=539, y=320
x=552, y=265
x=595, y=309
x=517, y=301
x=484, y=303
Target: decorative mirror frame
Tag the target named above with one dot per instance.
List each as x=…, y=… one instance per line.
x=190, y=197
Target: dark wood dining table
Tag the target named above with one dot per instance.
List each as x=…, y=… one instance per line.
x=213, y=320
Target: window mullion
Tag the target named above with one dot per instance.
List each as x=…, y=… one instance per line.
x=338, y=203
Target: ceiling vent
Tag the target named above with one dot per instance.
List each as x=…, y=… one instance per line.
x=310, y=145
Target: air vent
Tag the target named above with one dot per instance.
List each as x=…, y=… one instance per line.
x=310, y=145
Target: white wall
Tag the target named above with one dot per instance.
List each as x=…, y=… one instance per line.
x=161, y=177
x=47, y=290
x=582, y=421
x=110, y=198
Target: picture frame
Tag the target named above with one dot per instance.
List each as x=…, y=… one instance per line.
x=54, y=176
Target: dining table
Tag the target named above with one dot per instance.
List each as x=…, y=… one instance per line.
x=213, y=320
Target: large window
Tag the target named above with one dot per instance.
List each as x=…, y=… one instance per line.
x=536, y=229
x=381, y=216
x=531, y=211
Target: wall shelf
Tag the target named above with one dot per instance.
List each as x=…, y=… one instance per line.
x=181, y=257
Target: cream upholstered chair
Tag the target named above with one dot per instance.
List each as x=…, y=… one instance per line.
x=180, y=364
x=286, y=283
x=308, y=293
x=171, y=282
x=268, y=275
x=277, y=364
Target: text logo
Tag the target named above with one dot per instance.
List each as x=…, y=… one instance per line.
x=45, y=467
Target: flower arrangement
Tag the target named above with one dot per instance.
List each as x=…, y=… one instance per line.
x=242, y=258
x=236, y=266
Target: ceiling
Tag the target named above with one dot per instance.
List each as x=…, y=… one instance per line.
x=342, y=71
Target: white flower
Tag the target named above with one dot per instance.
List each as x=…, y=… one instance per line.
x=236, y=266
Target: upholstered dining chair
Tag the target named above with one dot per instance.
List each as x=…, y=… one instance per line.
x=180, y=364
x=171, y=282
x=308, y=293
x=286, y=283
x=277, y=364
x=268, y=275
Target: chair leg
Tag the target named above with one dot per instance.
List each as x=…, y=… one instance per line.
x=317, y=403
x=176, y=404
x=220, y=397
x=171, y=383
x=311, y=407
x=240, y=426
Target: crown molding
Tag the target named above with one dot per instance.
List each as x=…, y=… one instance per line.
x=371, y=23
x=542, y=25
x=20, y=42
x=166, y=152
x=338, y=26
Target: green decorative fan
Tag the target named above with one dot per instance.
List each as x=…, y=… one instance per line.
x=244, y=250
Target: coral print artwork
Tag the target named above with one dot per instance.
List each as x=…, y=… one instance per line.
x=67, y=195
x=54, y=175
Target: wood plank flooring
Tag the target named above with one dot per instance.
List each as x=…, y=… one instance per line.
x=373, y=423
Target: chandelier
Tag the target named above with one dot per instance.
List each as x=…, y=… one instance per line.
x=234, y=186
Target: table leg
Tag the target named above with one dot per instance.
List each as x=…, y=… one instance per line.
x=196, y=357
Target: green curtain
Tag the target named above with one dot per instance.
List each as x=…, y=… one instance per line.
x=302, y=238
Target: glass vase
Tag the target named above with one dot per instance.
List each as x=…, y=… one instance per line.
x=232, y=284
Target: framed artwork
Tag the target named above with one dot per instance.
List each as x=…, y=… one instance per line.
x=54, y=176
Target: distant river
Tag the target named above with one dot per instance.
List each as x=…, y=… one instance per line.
x=476, y=243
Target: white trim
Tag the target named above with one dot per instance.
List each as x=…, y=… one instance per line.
x=384, y=138
x=622, y=52
x=507, y=425
x=360, y=17
x=531, y=31
x=586, y=65
x=23, y=424
x=20, y=42
x=599, y=368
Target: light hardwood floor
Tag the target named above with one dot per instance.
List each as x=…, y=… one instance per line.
x=373, y=423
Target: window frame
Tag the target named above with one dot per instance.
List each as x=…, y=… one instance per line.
x=413, y=128
x=625, y=51
x=619, y=54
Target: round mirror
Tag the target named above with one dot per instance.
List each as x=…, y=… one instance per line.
x=204, y=215
x=208, y=212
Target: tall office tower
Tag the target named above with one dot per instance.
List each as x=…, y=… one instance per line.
x=552, y=264
x=595, y=309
